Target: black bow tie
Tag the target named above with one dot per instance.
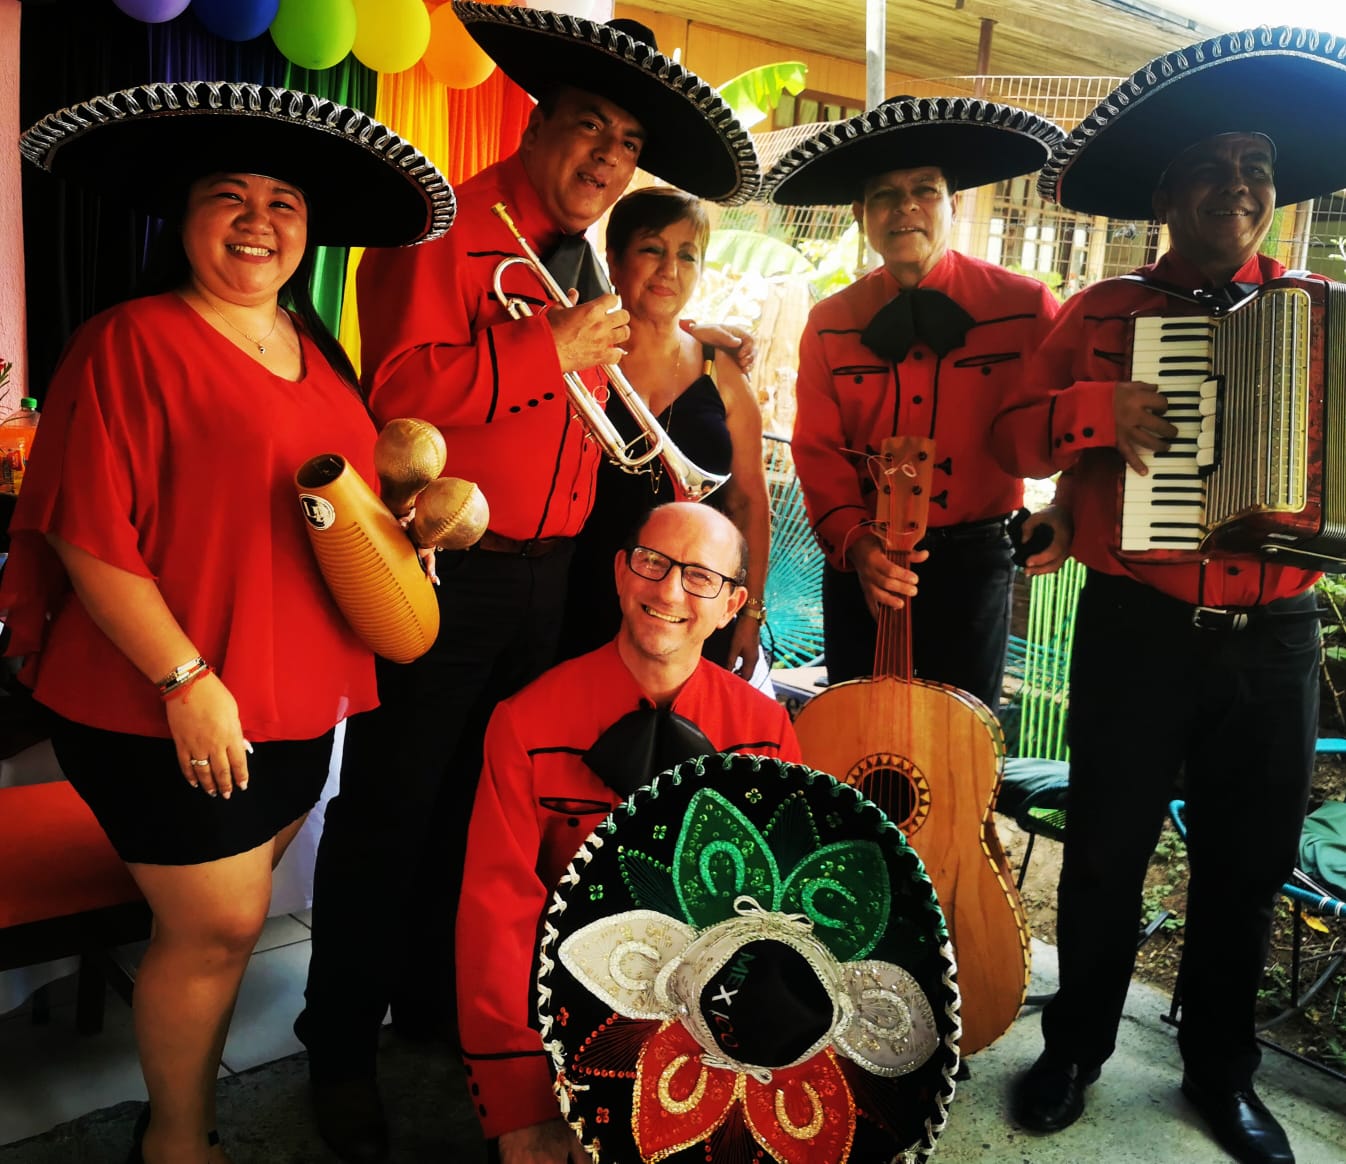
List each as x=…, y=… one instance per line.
x=919, y=314
x=643, y=743
x=572, y=263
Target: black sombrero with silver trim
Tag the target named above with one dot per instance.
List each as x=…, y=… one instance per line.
x=1287, y=83
x=144, y=146
x=694, y=143
x=746, y=961
x=973, y=141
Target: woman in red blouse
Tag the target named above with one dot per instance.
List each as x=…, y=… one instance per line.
x=160, y=579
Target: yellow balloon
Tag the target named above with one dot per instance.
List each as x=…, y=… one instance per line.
x=453, y=57
x=390, y=35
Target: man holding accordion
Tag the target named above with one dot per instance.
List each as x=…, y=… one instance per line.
x=1196, y=649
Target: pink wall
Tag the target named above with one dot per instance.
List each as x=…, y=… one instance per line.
x=12, y=327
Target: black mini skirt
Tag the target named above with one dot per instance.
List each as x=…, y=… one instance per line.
x=153, y=816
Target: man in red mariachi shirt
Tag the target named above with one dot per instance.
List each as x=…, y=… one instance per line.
x=1207, y=659
x=932, y=343
x=437, y=345
x=540, y=795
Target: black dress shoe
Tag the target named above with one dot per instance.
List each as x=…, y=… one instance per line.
x=1240, y=1123
x=1049, y=1096
x=350, y=1119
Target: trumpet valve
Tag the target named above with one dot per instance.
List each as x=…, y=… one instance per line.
x=408, y=455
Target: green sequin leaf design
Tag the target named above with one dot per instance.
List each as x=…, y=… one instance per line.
x=843, y=889
x=649, y=883
x=720, y=855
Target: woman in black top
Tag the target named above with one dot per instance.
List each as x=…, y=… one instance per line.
x=656, y=242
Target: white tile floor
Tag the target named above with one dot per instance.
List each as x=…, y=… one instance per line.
x=50, y=1073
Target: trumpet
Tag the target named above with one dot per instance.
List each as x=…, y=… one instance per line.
x=690, y=482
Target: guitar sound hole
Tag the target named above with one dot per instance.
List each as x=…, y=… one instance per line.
x=897, y=786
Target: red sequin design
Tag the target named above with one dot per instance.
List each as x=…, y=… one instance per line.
x=805, y=1115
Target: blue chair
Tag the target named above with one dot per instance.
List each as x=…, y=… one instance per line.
x=1309, y=898
x=793, y=632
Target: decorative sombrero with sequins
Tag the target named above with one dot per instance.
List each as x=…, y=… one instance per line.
x=746, y=961
x=144, y=146
x=973, y=141
x=1286, y=83
x=694, y=142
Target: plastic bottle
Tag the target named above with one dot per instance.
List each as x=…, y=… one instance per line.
x=16, y=438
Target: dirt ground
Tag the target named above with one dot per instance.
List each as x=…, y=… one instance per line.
x=1320, y=1033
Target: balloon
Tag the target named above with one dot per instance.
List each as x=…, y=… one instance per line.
x=453, y=57
x=152, y=11
x=235, y=19
x=390, y=35
x=314, y=34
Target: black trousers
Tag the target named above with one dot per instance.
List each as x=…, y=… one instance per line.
x=1235, y=712
x=959, y=618
x=390, y=864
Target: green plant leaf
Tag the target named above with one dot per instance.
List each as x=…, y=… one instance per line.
x=843, y=888
x=749, y=252
x=719, y=856
x=754, y=94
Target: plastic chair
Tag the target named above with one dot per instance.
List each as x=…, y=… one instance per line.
x=793, y=632
x=66, y=893
x=1033, y=788
x=1307, y=898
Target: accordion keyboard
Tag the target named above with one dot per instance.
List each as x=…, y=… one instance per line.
x=1165, y=508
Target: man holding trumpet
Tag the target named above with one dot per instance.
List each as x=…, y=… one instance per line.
x=438, y=343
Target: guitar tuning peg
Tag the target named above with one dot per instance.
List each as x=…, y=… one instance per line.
x=945, y=466
x=941, y=499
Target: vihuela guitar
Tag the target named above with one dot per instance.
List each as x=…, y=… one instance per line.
x=929, y=756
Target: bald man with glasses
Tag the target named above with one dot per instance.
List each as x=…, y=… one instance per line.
x=559, y=756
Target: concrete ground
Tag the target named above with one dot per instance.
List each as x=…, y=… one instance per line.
x=1135, y=1113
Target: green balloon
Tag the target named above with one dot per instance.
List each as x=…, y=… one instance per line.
x=314, y=34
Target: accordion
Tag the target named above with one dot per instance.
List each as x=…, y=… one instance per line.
x=1258, y=395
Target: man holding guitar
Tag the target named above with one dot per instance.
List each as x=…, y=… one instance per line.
x=930, y=344
x=1205, y=658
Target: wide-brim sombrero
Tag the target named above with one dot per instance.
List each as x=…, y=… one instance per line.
x=144, y=146
x=1286, y=83
x=974, y=142
x=694, y=141
x=746, y=961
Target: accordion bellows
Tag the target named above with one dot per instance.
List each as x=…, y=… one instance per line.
x=367, y=560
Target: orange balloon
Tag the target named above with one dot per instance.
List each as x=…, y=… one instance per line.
x=452, y=56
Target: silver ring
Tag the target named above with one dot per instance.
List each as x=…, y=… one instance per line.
x=200, y=763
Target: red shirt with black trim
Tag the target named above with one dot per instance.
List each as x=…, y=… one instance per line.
x=1064, y=420
x=167, y=452
x=437, y=345
x=849, y=399
x=536, y=803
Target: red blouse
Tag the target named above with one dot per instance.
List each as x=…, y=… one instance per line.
x=167, y=452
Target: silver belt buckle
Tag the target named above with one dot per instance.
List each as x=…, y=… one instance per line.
x=1232, y=619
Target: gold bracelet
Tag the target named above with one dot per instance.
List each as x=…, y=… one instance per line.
x=757, y=612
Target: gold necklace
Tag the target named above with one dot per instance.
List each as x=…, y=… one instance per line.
x=260, y=344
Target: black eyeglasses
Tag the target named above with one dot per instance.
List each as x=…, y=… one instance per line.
x=699, y=581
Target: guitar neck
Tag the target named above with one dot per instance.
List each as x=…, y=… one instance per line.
x=892, y=648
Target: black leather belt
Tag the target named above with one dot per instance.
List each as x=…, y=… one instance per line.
x=967, y=531
x=1236, y=618
x=494, y=543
